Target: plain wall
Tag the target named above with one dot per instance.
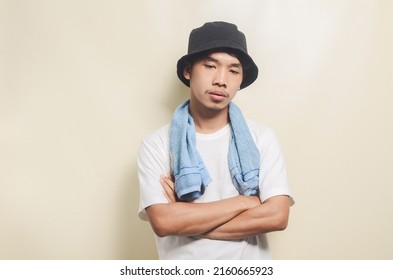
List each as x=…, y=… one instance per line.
x=82, y=82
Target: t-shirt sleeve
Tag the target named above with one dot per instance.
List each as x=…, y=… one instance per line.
x=153, y=161
x=273, y=179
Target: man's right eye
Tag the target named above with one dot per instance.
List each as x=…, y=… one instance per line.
x=209, y=66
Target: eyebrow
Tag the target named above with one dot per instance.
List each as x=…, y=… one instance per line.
x=209, y=58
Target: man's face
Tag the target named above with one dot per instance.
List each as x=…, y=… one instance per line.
x=214, y=81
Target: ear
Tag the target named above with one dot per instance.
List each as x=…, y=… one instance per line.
x=187, y=71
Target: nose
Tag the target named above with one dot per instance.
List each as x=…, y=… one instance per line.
x=220, y=78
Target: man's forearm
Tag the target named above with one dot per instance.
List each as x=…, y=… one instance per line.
x=182, y=218
x=269, y=216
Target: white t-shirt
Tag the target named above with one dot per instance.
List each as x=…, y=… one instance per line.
x=153, y=161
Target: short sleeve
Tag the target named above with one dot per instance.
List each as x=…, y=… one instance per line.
x=273, y=179
x=153, y=161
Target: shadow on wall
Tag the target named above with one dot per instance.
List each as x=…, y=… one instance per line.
x=135, y=238
x=176, y=93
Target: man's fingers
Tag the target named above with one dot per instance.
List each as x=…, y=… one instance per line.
x=167, y=181
x=169, y=188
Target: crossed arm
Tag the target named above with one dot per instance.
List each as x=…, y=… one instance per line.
x=232, y=218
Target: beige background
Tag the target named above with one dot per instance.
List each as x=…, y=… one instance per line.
x=81, y=82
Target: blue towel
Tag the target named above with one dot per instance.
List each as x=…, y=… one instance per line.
x=191, y=175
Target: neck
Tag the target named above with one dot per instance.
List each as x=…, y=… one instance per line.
x=209, y=121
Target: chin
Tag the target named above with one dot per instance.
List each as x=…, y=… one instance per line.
x=217, y=107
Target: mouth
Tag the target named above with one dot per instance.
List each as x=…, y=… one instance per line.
x=216, y=95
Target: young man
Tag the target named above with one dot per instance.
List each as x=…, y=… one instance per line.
x=211, y=183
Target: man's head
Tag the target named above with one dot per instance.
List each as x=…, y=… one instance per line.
x=218, y=37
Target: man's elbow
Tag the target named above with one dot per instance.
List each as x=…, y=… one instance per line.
x=160, y=232
x=160, y=224
x=281, y=221
x=281, y=224
x=160, y=227
x=279, y=210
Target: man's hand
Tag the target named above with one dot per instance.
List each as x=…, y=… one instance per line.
x=167, y=183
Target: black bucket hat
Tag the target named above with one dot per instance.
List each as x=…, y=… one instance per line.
x=221, y=36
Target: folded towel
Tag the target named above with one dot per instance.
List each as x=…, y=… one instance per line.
x=243, y=156
x=191, y=176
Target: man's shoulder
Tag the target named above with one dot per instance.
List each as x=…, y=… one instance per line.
x=258, y=128
x=155, y=142
x=261, y=133
x=160, y=134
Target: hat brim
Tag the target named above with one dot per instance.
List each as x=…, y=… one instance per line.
x=249, y=67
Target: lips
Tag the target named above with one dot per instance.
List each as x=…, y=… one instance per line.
x=218, y=93
x=217, y=96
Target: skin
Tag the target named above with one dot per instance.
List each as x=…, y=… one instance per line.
x=214, y=82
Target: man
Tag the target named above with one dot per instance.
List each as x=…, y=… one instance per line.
x=212, y=184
